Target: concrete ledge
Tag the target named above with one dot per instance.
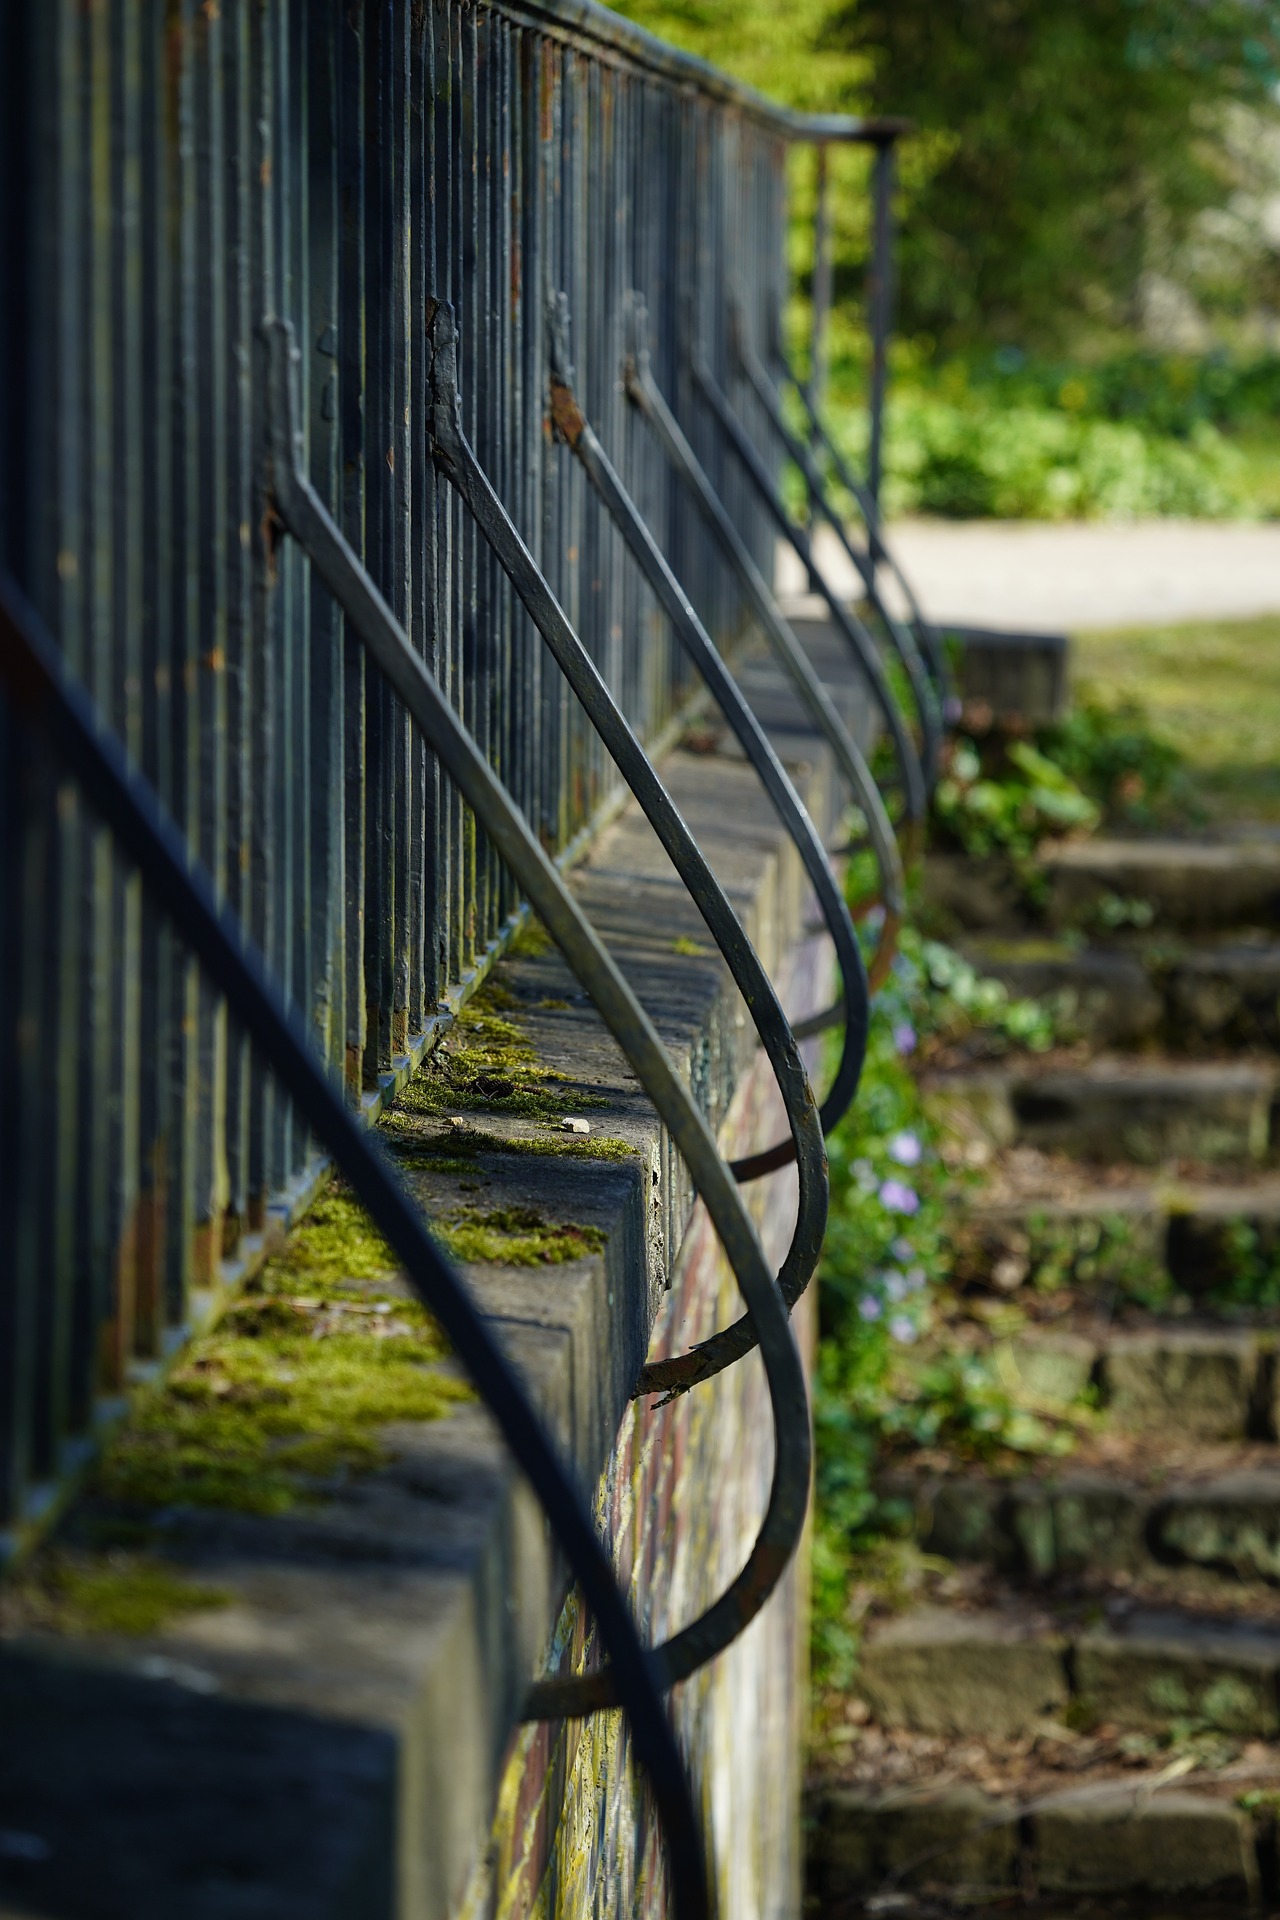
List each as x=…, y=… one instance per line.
x=942, y=1672
x=352, y=1707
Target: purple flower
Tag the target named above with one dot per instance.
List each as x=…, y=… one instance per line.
x=904, y=1037
x=899, y=1198
x=869, y=1307
x=895, y=1286
x=904, y=1329
x=902, y=1249
x=905, y=1149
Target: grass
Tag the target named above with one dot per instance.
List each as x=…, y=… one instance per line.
x=1211, y=687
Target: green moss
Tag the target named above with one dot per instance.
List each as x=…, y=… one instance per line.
x=445, y=1151
x=486, y=1062
x=531, y=940
x=516, y=1236
x=337, y=1242
x=109, y=1593
x=683, y=944
x=293, y=1385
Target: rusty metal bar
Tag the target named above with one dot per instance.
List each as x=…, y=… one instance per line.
x=457, y=460
x=923, y=692
x=859, y=641
x=787, y=651
x=304, y=515
x=577, y=433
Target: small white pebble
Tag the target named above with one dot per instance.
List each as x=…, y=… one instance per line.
x=570, y=1125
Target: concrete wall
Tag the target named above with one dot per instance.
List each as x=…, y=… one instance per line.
x=679, y=1502
x=339, y=1738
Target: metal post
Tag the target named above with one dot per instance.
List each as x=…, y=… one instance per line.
x=880, y=304
x=821, y=284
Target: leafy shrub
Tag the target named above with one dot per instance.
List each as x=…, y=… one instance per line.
x=979, y=457
x=886, y=1259
x=1113, y=756
x=1135, y=434
x=1011, y=811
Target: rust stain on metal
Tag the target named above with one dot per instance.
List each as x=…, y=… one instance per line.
x=271, y=530
x=566, y=414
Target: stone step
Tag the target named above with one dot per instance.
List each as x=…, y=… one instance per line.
x=1111, y=887
x=1184, y=999
x=1184, y=883
x=1002, y=1672
x=1186, y=1382
x=1111, y=1838
x=1142, y=1111
x=1214, y=1242
x=1209, y=1532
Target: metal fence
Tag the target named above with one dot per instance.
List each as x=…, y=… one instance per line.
x=173, y=174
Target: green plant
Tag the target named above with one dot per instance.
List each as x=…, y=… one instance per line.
x=1098, y=1253
x=1250, y=1266
x=1009, y=813
x=880, y=1385
x=954, y=1002
x=1214, y=687
x=1114, y=755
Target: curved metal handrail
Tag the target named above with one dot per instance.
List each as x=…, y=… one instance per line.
x=457, y=461
x=881, y=553
x=851, y=629
x=576, y=431
x=38, y=683
x=923, y=691
x=645, y=393
x=304, y=515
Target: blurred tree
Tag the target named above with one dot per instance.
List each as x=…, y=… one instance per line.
x=1067, y=149
x=791, y=51
x=1065, y=153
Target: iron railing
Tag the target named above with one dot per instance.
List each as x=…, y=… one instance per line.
x=174, y=174
x=278, y=638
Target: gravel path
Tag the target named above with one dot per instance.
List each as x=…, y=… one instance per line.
x=1014, y=574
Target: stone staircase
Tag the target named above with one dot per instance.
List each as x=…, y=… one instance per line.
x=1079, y=1705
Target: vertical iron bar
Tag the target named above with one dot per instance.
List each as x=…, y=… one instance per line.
x=881, y=309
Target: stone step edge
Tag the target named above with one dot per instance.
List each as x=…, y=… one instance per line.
x=1095, y=1237
x=1122, y=1108
x=1221, y=1201
x=1090, y=1520
x=1106, y=1839
x=1001, y=1674
x=1206, y=1383
x=1111, y=1074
